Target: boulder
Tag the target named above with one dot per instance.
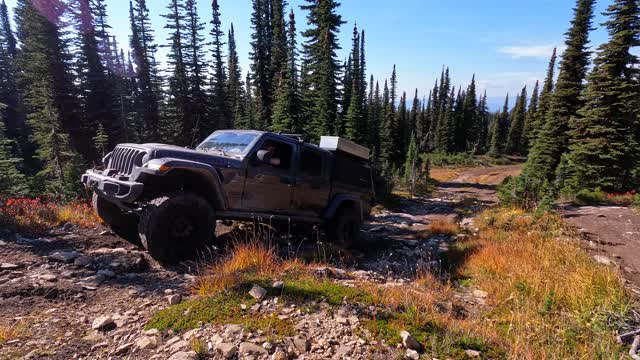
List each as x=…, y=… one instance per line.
x=247, y=348
x=227, y=350
x=147, y=342
x=258, y=292
x=174, y=299
x=103, y=323
x=409, y=341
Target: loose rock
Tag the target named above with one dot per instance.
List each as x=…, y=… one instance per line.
x=227, y=350
x=174, y=299
x=247, y=348
x=103, y=323
x=409, y=341
x=258, y=292
x=411, y=355
x=64, y=256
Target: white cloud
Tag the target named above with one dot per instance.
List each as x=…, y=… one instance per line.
x=531, y=51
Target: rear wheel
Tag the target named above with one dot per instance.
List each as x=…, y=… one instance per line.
x=122, y=224
x=344, y=228
x=174, y=227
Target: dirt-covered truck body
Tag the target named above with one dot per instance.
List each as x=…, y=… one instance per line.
x=168, y=198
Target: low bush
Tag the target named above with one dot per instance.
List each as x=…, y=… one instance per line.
x=37, y=216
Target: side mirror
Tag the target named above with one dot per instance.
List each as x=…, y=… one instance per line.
x=264, y=156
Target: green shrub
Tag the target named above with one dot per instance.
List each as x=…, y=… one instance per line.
x=587, y=197
x=525, y=192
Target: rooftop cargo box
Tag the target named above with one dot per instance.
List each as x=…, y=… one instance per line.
x=335, y=143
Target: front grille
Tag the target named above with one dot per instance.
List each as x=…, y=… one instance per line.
x=124, y=158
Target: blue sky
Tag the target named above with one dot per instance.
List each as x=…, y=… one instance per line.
x=505, y=43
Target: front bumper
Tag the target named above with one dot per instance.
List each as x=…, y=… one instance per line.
x=108, y=187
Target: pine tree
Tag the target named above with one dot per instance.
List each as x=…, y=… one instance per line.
x=545, y=100
x=47, y=87
x=261, y=47
x=482, y=137
x=11, y=112
x=147, y=81
x=514, y=139
x=12, y=181
x=320, y=59
x=447, y=124
x=470, y=124
x=499, y=131
x=412, y=125
x=196, y=72
x=459, y=133
x=398, y=130
x=220, y=113
x=279, y=53
x=553, y=137
x=177, y=125
x=603, y=144
x=530, y=119
x=374, y=113
x=247, y=116
x=411, y=165
x=95, y=87
x=101, y=140
x=235, y=87
x=286, y=110
x=355, y=121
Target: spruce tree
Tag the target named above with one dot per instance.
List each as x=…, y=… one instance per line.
x=322, y=66
x=514, y=138
x=355, y=120
x=412, y=126
x=374, y=113
x=247, y=116
x=147, y=80
x=279, y=53
x=553, y=137
x=470, y=123
x=235, y=89
x=545, y=100
x=47, y=88
x=177, y=125
x=196, y=72
x=12, y=181
x=500, y=131
x=286, y=110
x=261, y=47
x=603, y=144
x=482, y=137
x=411, y=165
x=95, y=87
x=530, y=118
x=220, y=114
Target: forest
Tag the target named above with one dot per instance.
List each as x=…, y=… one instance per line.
x=69, y=93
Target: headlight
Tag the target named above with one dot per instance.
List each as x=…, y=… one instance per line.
x=157, y=166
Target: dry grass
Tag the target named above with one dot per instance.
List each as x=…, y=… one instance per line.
x=548, y=299
x=11, y=332
x=446, y=174
x=443, y=228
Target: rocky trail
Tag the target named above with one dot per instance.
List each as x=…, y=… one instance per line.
x=86, y=294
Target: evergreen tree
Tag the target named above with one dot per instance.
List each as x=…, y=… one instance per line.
x=235, y=86
x=398, y=130
x=545, y=100
x=95, y=88
x=47, y=87
x=176, y=122
x=446, y=125
x=482, y=123
x=516, y=129
x=530, y=119
x=279, y=46
x=12, y=181
x=603, y=144
x=411, y=165
x=286, y=110
x=412, y=125
x=147, y=80
x=553, y=137
x=356, y=124
x=499, y=131
x=101, y=140
x=374, y=113
x=470, y=123
x=322, y=67
x=247, y=116
x=261, y=47
x=220, y=113
x=196, y=73
x=11, y=112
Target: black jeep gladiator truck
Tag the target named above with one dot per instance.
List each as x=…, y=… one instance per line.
x=168, y=198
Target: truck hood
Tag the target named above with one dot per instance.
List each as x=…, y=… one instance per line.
x=213, y=158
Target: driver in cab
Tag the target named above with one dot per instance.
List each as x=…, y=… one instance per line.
x=271, y=156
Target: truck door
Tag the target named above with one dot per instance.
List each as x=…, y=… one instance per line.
x=269, y=185
x=312, y=182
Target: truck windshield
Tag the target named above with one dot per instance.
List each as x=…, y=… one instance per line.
x=233, y=143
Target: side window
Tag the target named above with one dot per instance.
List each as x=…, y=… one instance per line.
x=280, y=154
x=310, y=163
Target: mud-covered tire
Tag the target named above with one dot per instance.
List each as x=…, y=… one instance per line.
x=122, y=224
x=175, y=226
x=344, y=228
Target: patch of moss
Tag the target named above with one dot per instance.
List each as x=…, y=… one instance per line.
x=308, y=288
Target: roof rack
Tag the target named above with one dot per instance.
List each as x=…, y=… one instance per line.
x=335, y=143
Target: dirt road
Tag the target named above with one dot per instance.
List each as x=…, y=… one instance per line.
x=612, y=235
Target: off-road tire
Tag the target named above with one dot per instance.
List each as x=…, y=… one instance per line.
x=344, y=228
x=173, y=227
x=122, y=224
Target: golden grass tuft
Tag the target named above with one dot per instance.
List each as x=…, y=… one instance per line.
x=443, y=228
x=10, y=332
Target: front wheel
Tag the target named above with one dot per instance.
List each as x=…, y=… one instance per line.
x=174, y=227
x=344, y=228
x=122, y=224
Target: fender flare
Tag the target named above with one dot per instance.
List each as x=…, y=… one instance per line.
x=340, y=200
x=205, y=171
